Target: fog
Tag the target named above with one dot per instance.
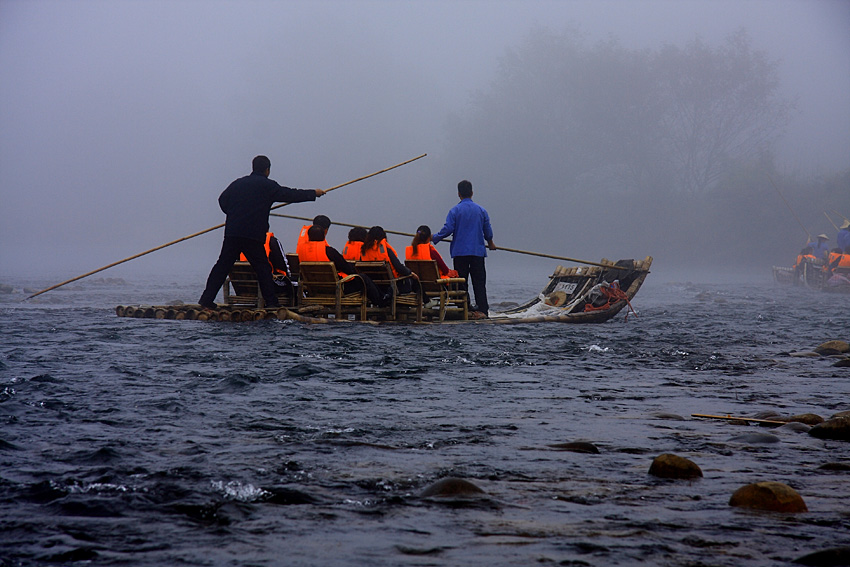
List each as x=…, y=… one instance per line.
x=122, y=122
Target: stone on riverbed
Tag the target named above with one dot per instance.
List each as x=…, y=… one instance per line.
x=833, y=347
x=674, y=466
x=826, y=557
x=451, y=486
x=771, y=496
x=576, y=447
x=807, y=418
x=836, y=428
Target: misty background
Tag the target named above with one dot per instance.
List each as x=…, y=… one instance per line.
x=589, y=129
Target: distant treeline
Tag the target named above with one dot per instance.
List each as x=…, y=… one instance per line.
x=668, y=150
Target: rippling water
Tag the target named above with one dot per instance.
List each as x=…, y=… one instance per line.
x=155, y=442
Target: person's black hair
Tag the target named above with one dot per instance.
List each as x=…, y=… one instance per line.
x=315, y=233
x=422, y=236
x=322, y=221
x=261, y=164
x=357, y=234
x=464, y=189
x=375, y=235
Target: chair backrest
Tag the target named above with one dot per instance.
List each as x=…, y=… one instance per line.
x=381, y=273
x=428, y=273
x=319, y=277
x=243, y=278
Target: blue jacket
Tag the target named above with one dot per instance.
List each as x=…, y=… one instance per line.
x=844, y=239
x=470, y=225
x=821, y=249
x=248, y=200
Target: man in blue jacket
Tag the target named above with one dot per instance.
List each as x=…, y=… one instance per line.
x=247, y=203
x=470, y=225
x=844, y=237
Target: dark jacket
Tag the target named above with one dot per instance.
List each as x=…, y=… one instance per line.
x=248, y=200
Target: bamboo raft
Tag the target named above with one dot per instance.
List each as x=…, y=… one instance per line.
x=572, y=295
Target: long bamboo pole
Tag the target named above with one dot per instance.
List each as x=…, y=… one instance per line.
x=542, y=255
x=160, y=247
x=830, y=221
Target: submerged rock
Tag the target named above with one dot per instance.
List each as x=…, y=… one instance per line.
x=674, y=466
x=771, y=496
x=836, y=428
x=576, y=447
x=451, y=486
x=795, y=426
x=826, y=558
x=804, y=354
x=835, y=467
x=833, y=347
x=807, y=418
x=844, y=362
x=755, y=438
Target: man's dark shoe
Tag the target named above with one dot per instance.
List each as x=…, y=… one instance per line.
x=209, y=306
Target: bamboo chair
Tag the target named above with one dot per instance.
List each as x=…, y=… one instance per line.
x=381, y=273
x=241, y=289
x=321, y=285
x=449, y=291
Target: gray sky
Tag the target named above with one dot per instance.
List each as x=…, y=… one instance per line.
x=121, y=122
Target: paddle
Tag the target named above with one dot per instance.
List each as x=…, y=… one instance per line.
x=208, y=230
x=565, y=258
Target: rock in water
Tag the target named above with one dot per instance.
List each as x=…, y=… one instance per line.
x=807, y=418
x=826, y=557
x=832, y=347
x=753, y=438
x=771, y=496
x=451, y=486
x=674, y=466
x=576, y=447
x=836, y=428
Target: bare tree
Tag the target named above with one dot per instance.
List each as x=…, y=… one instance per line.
x=722, y=105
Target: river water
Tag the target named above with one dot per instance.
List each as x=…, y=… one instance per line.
x=155, y=442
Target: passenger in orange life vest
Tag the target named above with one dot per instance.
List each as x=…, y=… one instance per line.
x=807, y=254
x=276, y=256
x=377, y=249
x=319, y=220
x=422, y=249
x=316, y=249
x=356, y=236
x=837, y=260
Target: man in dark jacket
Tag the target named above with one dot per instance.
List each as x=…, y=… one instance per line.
x=247, y=203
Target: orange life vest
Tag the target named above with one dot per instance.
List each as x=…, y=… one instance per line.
x=378, y=253
x=268, y=248
x=424, y=252
x=302, y=238
x=418, y=252
x=351, y=252
x=807, y=258
x=316, y=251
x=843, y=260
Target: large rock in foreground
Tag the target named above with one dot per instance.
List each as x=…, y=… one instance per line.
x=771, y=496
